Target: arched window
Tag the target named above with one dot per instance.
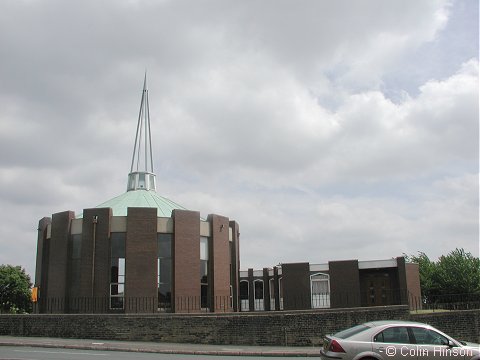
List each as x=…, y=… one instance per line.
x=259, y=301
x=244, y=304
x=320, y=290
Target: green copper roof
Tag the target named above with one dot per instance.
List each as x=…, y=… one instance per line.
x=141, y=198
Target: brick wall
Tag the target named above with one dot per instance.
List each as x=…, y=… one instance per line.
x=220, y=263
x=296, y=286
x=299, y=328
x=141, y=258
x=186, y=258
x=344, y=275
x=58, y=255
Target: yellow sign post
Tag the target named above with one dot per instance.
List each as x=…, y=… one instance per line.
x=35, y=294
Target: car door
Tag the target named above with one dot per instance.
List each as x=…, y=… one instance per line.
x=393, y=343
x=433, y=345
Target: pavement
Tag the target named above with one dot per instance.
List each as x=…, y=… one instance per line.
x=161, y=348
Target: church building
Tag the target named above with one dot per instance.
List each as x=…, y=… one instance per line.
x=138, y=252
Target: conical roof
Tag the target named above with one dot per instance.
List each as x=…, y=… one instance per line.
x=141, y=198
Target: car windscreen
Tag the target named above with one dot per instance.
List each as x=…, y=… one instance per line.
x=351, y=331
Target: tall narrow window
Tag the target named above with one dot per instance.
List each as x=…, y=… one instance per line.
x=320, y=289
x=117, y=270
x=164, y=271
x=280, y=292
x=204, y=273
x=244, y=304
x=259, y=295
x=271, y=285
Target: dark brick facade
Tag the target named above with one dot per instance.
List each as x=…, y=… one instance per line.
x=95, y=254
x=219, y=263
x=413, y=284
x=141, y=259
x=75, y=271
x=344, y=283
x=235, y=263
x=43, y=247
x=297, y=328
x=58, y=250
x=296, y=286
x=186, y=260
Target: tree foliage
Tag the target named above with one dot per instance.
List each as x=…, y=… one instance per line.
x=15, y=295
x=455, y=273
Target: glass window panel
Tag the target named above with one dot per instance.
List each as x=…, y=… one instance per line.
x=204, y=296
x=114, y=271
x=203, y=271
x=152, y=184
x=394, y=335
x=271, y=284
x=113, y=289
x=165, y=271
x=117, y=241
x=141, y=180
x=76, y=246
x=244, y=290
x=116, y=302
x=164, y=247
x=258, y=289
x=320, y=287
x=164, y=295
x=428, y=337
x=121, y=289
x=121, y=267
x=203, y=248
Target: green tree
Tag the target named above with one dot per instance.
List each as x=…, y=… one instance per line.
x=457, y=273
x=15, y=295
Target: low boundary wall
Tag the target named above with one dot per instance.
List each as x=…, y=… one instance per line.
x=460, y=324
x=294, y=328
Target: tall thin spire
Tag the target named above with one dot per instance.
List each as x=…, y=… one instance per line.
x=141, y=175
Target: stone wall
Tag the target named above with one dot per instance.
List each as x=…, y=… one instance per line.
x=461, y=324
x=296, y=328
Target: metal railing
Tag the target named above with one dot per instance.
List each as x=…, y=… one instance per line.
x=197, y=304
x=104, y=305
x=445, y=302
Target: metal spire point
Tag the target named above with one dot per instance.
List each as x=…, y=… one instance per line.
x=141, y=175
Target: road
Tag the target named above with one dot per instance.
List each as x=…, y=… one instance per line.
x=41, y=353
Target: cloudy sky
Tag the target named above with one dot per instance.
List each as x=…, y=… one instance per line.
x=327, y=129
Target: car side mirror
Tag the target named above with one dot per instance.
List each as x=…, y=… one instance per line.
x=450, y=343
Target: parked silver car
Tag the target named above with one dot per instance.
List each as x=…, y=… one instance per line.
x=396, y=340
